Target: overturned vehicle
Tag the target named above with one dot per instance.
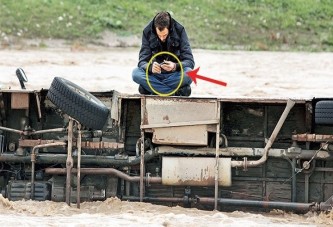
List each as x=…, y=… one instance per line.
x=68, y=145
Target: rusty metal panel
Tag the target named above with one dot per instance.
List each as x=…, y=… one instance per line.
x=102, y=145
x=161, y=110
x=179, y=121
x=195, y=171
x=32, y=143
x=186, y=135
x=312, y=137
x=85, y=144
x=20, y=100
x=115, y=104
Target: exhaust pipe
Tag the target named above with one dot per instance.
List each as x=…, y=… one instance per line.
x=270, y=142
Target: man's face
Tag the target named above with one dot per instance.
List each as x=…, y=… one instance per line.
x=162, y=35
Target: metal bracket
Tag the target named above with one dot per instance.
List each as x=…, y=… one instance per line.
x=294, y=150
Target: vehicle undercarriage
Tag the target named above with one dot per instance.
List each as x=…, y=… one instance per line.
x=66, y=144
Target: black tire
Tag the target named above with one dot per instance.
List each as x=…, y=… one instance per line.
x=324, y=112
x=78, y=103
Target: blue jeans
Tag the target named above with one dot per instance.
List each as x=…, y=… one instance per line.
x=163, y=83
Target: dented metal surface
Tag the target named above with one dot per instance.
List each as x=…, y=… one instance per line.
x=177, y=121
x=182, y=171
x=188, y=135
x=178, y=110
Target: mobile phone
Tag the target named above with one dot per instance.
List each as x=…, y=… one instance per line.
x=162, y=63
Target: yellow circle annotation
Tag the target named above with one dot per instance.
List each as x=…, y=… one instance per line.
x=181, y=76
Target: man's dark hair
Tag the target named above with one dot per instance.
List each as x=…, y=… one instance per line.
x=162, y=20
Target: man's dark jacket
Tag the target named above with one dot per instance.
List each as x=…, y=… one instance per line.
x=177, y=43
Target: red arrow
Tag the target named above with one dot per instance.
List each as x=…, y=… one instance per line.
x=193, y=74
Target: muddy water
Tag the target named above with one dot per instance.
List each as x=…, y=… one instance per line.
x=114, y=212
x=247, y=74
x=255, y=74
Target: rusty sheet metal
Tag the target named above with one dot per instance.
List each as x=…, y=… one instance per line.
x=102, y=145
x=33, y=143
x=85, y=144
x=179, y=121
x=195, y=171
x=312, y=137
x=115, y=104
x=20, y=100
x=187, y=135
x=173, y=110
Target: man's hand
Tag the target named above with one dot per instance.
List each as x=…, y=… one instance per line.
x=168, y=66
x=156, y=68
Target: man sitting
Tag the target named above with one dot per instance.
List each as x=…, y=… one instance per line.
x=164, y=34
